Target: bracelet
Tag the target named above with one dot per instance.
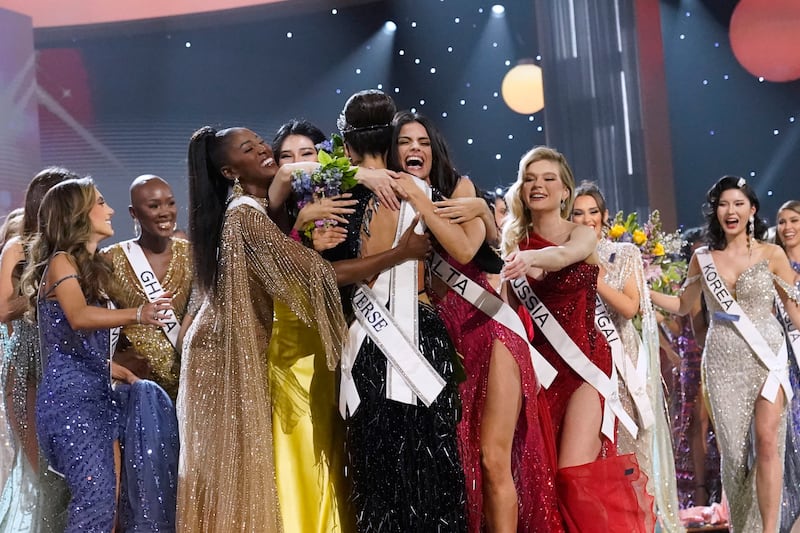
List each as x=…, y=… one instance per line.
x=139, y=314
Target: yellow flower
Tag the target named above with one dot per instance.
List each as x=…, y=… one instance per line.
x=639, y=237
x=616, y=231
x=658, y=249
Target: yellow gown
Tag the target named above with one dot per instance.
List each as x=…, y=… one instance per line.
x=307, y=431
x=226, y=476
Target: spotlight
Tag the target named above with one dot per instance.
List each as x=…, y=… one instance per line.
x=390, y=26
x=498, y=10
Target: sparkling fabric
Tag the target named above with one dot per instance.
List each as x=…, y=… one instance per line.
x=76, y=417
x=533, y=458
x=729, y=365
x=403, y=459
x=6, y=444
x=226, y=472
x=652, y=446
x=307, y=430
x=21, y=369
x=790, y=503
x=687, y=394
x=148, y=341
x=149, y=442
x=569, y=294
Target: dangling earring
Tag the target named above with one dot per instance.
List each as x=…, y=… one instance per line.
x=563, y=204
x=137, y=228
x=751, y=230
x=237, y=187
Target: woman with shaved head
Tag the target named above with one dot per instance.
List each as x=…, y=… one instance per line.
x=153, y=262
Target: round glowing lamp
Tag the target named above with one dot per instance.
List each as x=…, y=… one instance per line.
x=522, y=88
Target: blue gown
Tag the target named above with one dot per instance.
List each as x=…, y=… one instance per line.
x=76, y=416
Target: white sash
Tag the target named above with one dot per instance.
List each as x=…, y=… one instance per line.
x=151, y=286
x=776, y=363
x=408, y=374
x=792, y=335
x=236, y=201
x=634, y=375
x=113, y=339
x=495, y=308
x=576, y=359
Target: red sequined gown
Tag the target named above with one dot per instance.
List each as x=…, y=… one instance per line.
x=533, y=449
x=608, y=494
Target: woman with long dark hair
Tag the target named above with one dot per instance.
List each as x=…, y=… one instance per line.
x=66, y=283
x=740, y=277
x=398, y=389
x=242, y=263
x=32, y=496
x=505, y=440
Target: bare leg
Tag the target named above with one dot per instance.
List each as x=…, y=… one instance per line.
x=769, y=463
x=500, y=414
x=580, y=434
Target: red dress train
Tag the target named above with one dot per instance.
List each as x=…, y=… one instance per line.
x=608, y=494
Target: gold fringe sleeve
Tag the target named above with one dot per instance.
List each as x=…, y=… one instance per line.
x=298, y=277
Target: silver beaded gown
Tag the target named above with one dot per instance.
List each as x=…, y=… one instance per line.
x=652, y=446
x=734, y=376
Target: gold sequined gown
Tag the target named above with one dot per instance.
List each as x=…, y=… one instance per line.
x=652, y=446
x=148, y=341
x=227, y=471
x=733, y=377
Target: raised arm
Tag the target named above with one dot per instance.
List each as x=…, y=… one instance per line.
x=580, y=246
x=461, y=241
x=689, y=295
x=625, y=301
x=81, y=315
x=463, y=209
x=411, y=246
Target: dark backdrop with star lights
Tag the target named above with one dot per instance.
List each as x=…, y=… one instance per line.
x=122, y=99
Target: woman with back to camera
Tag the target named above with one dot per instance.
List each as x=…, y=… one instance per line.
x=32, y=497
x=66, y=282
x=740, y=276
x=153, y=262
x=624, y=294
x=398, y=388
x=787, y=236
x=505, y=439
x=551, y=266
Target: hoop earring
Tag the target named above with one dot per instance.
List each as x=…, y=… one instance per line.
x=237, y=187
x=137, y=228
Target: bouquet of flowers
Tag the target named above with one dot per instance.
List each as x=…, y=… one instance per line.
x=334, y=176
x=664, y=266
